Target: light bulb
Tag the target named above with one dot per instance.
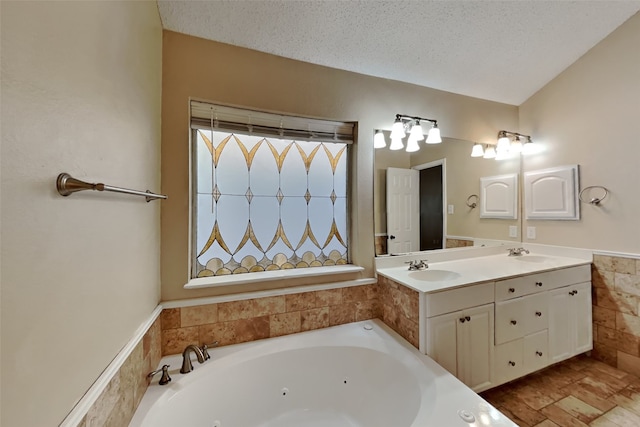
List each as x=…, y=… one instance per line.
x=397, y=130
x=490, y=153
x=477, y=151
x=516, y=146
x=416, y=132
x=378, y=140
x=434, y=135
x=412, y=144
x=396, y=143
x=503, y=145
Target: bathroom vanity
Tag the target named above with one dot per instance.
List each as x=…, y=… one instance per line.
x=489, y=318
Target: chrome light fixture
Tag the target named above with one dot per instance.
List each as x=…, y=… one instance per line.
x=477, y=150
x=408, y=124
x=510, y=143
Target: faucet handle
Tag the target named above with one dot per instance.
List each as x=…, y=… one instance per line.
x=165, y=374
x=205, y=348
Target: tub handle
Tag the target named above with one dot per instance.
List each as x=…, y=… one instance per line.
x=165, y=374
x=206, y=347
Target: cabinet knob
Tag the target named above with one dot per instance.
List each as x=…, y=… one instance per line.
x=539, y=314
x=572, y=293
x=462, y=320
x=539, y=284
x=539, y=353
x=512, y=290
x=513, y=322
x=512, y=363
x=467, y=318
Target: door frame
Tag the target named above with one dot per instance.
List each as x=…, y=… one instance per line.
x=443, y=163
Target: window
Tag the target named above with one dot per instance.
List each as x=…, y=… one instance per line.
x=270, y=192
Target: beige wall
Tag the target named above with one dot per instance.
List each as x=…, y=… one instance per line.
x=590, y=115
x=81, y=86
x=212, y=71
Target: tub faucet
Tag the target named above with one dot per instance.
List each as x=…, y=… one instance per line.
x=187, y=366
x=165, y=379
x=517, y=251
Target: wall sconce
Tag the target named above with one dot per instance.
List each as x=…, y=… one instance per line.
x=408, y=124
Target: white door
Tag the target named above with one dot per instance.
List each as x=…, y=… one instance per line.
x=403, y=210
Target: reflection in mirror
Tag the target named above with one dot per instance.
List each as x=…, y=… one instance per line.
x=461, y=224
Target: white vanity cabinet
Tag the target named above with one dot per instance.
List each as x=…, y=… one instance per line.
x=540, y=319
x=460, y=333
x=571, y=329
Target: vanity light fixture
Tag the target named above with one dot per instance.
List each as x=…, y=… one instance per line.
x=508, y=146
x=490, y=152
x=409, y=124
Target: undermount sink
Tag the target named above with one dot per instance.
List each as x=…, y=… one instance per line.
x=434, y=275
x=531, y=258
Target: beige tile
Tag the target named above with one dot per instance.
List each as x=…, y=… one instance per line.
x=302, y=301
x=546, y=423
x=604, y=316
x=606, y=336
x=628, y=343
x=597, y=386
x=284, y=323
x=638, y=267
x=252, y=329
x=366, y=310
x=235, y=310
x=524, y=412
x=618, y=301
x=269, y=305
x=170, y=318
x=602, y=421
x=314, y=318
x=198, y=315
x=603, y=262
x=623, y=417
x=354, y=294
x=328, y=297
x=535, y=397
x=590, y=398
x=579, y=409
x=561, y=417
x=628, y=323
x=507, y=413
x=629, y=404
x=629, y=363
x=624, y=265
x=611, y=372
x=603, y=279
x=606, y=354
x=174, y=341
x=341, y=314
x=223, y=332
x=628, y=283
x=106, y=402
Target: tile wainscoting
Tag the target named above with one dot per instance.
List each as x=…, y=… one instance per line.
x=616, y=312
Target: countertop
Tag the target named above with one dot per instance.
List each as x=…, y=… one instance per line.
x=452, y=273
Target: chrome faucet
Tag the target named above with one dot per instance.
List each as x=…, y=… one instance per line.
x=517, y=251
x=187, y=366
x=417, y=265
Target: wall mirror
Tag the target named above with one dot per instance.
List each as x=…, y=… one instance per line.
x=452, y=176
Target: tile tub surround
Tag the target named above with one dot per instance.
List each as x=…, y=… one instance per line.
x=400, y=309
x=257, y=318
x=458, y=243
x=616, y=311
x=117, y=403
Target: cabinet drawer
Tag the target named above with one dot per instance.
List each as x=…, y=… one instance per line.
x=508, y=361
x=522, y=316
x=536, y=351
x=458, y=299
x=532, y=283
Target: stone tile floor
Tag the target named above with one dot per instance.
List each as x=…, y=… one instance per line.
x=578, y=392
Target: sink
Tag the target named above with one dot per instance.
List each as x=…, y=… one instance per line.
x=531, y=258
x=434, y=275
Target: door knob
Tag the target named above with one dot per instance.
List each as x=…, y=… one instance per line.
x=391, y=237
x=513, y=322
x=538, y=313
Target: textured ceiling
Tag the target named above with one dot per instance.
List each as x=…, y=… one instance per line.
x=497, y=50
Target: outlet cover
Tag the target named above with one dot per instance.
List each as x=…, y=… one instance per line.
x=531, y=233
x=513, y=231
x=450, y=209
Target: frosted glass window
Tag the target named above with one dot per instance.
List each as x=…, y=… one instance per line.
x=267, y=203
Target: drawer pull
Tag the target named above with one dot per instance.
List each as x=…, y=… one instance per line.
x=539, y=353
x=462, y=320
x=572, y=293
x=467, y=318
x=512, y=290
x=513, y=322
x=512, y=363
x=539, y=284
x=538, y=313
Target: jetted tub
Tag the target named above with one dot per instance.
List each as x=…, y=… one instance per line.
x=356, y=375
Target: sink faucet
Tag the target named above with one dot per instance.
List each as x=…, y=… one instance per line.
x=517, y=251
x=417, y=265
x=187, y=366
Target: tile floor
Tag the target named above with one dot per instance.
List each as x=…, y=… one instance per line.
x=578, y=392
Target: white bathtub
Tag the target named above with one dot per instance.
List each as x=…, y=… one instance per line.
x=356, y=375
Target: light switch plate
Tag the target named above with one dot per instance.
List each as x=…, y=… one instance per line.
x=450, y=209
x=513, y=231
x=531, y=233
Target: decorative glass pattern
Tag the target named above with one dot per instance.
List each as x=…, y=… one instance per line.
x=268, y=204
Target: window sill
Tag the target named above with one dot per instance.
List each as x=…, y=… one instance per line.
x=266, y=276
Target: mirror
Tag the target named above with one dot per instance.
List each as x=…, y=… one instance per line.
x=461, y=175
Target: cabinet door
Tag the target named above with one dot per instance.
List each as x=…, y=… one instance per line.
x=442, y=340
x=536, y=351
x=475, y=347
x=570, y=328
